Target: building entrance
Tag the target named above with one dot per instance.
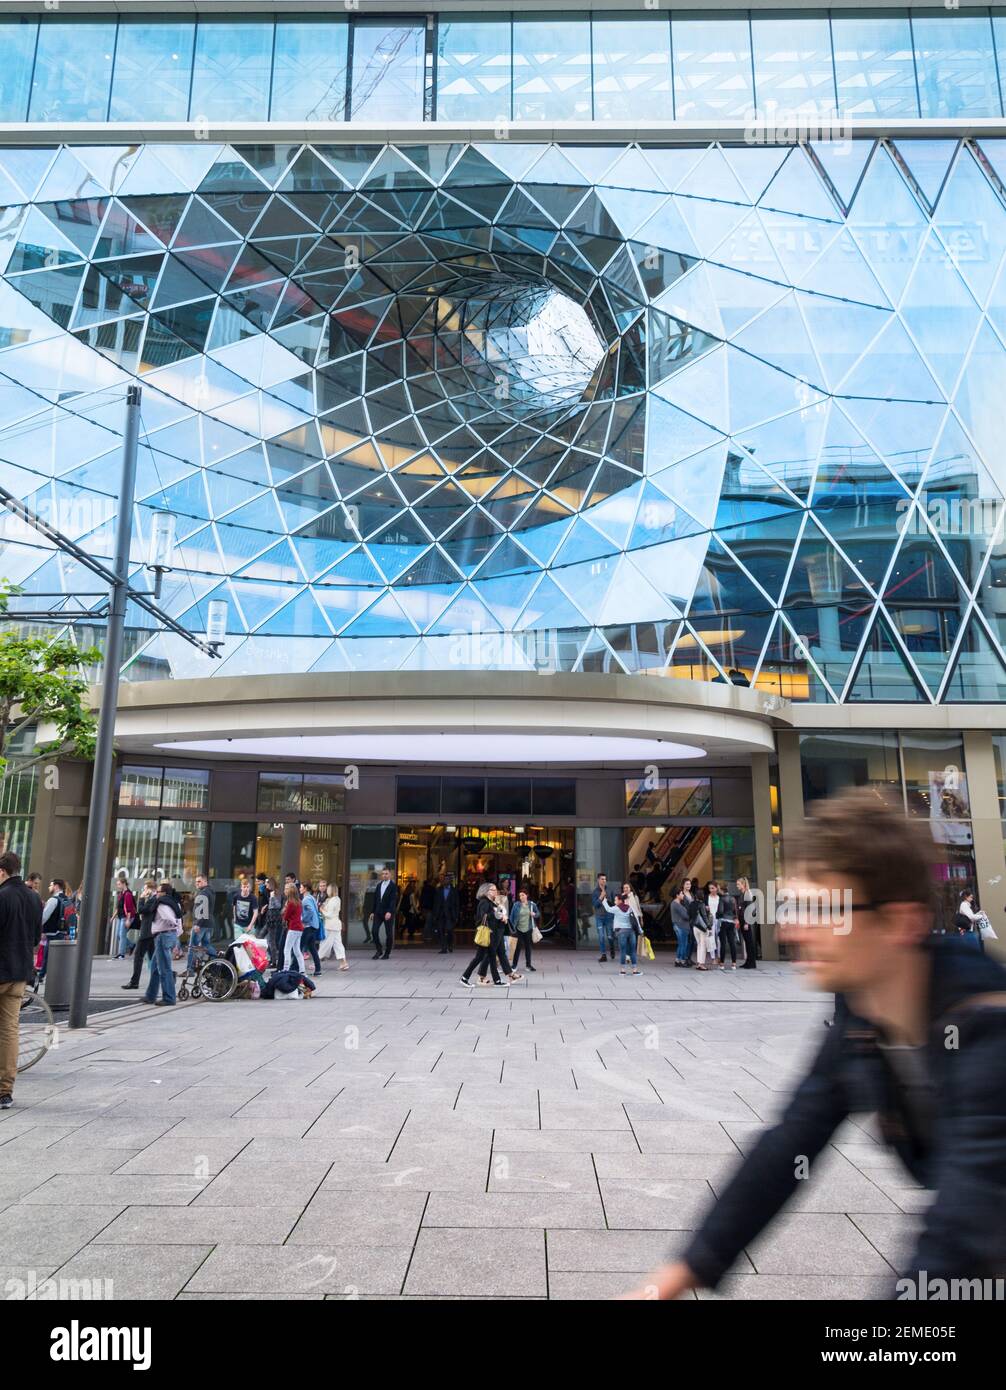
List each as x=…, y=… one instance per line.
x=540, y=859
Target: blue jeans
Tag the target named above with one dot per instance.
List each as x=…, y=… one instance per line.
x=121, y=939
x=161, y=972
x=684, y=935
x=199, y=936
x=605, y=935
x=626, y=943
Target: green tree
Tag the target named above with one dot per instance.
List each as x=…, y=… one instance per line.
x=41, y=682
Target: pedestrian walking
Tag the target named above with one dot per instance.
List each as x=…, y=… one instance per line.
x=122, y=916
x=682, y=925
x=524, y=917
x=311, y=918
x=918, y=1041
x=293, y=921
x=485, y=957
x=166, y=928
x=202, y=920
x=331, y=915
x=20, y=933
x=146, y=905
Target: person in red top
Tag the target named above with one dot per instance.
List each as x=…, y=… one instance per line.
x=123, y=916
x=294, y=921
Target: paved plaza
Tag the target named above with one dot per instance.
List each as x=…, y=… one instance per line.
x=398, y=1136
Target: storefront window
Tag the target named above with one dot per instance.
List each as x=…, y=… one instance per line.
x=141, y=786
x=187, y=788
x=371, y=849
x=646, y=796
x=418, y=796
x=279, y=791
x=269, y=851
x=323, y=793
x=733, y=853
x=936, y=784
x=832, y=762
x=321, y=853
x=181, y=852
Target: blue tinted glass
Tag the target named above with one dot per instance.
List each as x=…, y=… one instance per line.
x=632, y=68
x=792, y=62
x=551, y=69
x=153, y=70
x=17, y=38
x=232, y=68
x=474, y=69
x=73, y=71
x=874, y=65
x=712, y=68
x=309, y=71
x=389, y=71
x=957, y=67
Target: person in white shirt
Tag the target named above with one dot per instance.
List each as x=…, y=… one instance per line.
x=713, y=905
x=331, y=913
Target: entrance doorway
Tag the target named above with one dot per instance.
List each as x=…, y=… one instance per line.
x=538, y=858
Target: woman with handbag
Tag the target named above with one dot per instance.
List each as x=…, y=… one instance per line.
x=524, y=919
x=501, y=930
x=485, y=950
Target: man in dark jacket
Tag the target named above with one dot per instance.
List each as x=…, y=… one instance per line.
x=385, y=912
x=446, y=913
x=919, y=1038
x=20, y=930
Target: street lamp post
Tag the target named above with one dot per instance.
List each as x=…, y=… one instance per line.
x=95, y=854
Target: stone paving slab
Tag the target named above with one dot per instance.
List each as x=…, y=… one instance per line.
x=404, y=1138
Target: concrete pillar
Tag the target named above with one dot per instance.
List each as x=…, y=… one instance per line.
x=790, y=781
x=290, y=851
x=987, y=828
x=764, y=854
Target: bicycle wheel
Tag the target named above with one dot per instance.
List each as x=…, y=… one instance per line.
x=37, y=1031
x=217, y=980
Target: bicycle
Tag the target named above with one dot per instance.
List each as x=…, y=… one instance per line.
x=37, y=1029
x=214, y=978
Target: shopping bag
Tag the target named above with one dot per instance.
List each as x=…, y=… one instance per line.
x=646, y=949
x=483, y=936
x=535, y=935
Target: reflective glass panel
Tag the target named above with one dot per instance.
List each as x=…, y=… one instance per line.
x=832, y=762
x=153, y=71
x=474, y=68
x=18, y=39
x=140, y=786
x=389, y=71
x=551, y=69
x=279, y=791
x=792, y=63
x=324, y=792
x=186, y=787
x=136, y=849
x=936, y=784
x=874, y=65
x=181, y=852
x=309, y=70
x=73, y=71
x=712, y=68
x=956, y=65
x=632, y=67
x=643, y=799
x=233, y=61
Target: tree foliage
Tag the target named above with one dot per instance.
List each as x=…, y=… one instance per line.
x=41, y=682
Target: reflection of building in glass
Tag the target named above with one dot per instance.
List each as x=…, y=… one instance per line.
x=682, y=410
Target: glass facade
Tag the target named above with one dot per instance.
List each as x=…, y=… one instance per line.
x=492, y=66
x=722, y=412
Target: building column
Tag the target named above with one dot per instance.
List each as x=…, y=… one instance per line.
x=290, y=851
x=761, y=795
x=987, y=828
